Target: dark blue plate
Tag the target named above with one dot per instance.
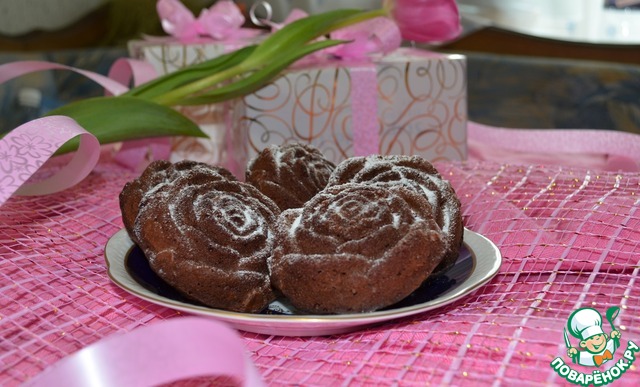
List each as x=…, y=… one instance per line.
x=138, y=267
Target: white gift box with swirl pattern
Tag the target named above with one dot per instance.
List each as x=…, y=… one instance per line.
x=421, y=107
x=167, y=55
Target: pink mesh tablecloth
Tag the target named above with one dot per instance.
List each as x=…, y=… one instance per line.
x=570, y=238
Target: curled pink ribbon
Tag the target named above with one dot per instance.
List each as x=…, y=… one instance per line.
x=24, y=150
x=176, y=349
x=222, y=21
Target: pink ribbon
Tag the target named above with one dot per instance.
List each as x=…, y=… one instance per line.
x=375, y=36
x=126, y=70
x=16, y=69
x=364, y=110
x=26, y=148
x=222, y=21
x=601, y=149
x=176, y=349
x=137, y=154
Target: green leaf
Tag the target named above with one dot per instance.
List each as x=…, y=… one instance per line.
x=192, y=73
x=282, y=43
x=115, y=119
x=301, y=31
x=257, y=79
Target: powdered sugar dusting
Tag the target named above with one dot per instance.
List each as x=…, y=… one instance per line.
x=396, y=221
x=278, y=154
x=448, y=208
x=295, y=225
x=415, y=173
x=203, y=231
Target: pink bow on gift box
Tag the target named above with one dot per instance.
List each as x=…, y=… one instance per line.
x=221, y=21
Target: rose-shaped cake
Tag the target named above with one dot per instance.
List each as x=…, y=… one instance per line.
x=157, y=174
x=355, y=248
x=412, y=171
x=210, y=239
x=289, y=174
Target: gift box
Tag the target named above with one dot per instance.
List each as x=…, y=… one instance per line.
x=167, y=55
x=411, y=102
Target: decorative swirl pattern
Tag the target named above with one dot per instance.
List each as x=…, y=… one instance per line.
x=422, y=176
x=209, y=237
x=156, y=175
x=308, y=106
x=424, y=108
x=289, y=175
x=355, y=248
x=421, y=107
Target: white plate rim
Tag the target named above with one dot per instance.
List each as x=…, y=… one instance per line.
x=487, y=261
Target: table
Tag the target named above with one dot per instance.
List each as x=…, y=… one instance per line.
x=569, y=236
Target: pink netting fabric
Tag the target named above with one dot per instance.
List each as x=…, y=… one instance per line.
x=570, y=238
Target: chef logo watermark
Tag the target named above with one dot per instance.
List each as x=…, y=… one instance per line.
x=594, y=348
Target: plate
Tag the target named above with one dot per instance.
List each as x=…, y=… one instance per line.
x=478, y=262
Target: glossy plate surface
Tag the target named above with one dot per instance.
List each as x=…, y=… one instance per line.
x=478, y=262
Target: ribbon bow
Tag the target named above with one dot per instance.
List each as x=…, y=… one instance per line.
x=599, y=359
x=222, y=21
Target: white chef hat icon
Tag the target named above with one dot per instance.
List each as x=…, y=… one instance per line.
x=584, y=323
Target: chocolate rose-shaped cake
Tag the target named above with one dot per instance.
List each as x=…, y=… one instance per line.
x=355, y=248
x=289, y=174
x=210, y=239
x=157, y=174
x=412, y=171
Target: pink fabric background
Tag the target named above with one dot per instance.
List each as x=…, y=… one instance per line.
x=569, y=235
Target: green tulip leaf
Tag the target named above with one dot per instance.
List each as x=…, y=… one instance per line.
x=258, y=79
x=145, y=111
x=168, y=82
x=302, y=31
x=115, y=119
x=284, y=43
